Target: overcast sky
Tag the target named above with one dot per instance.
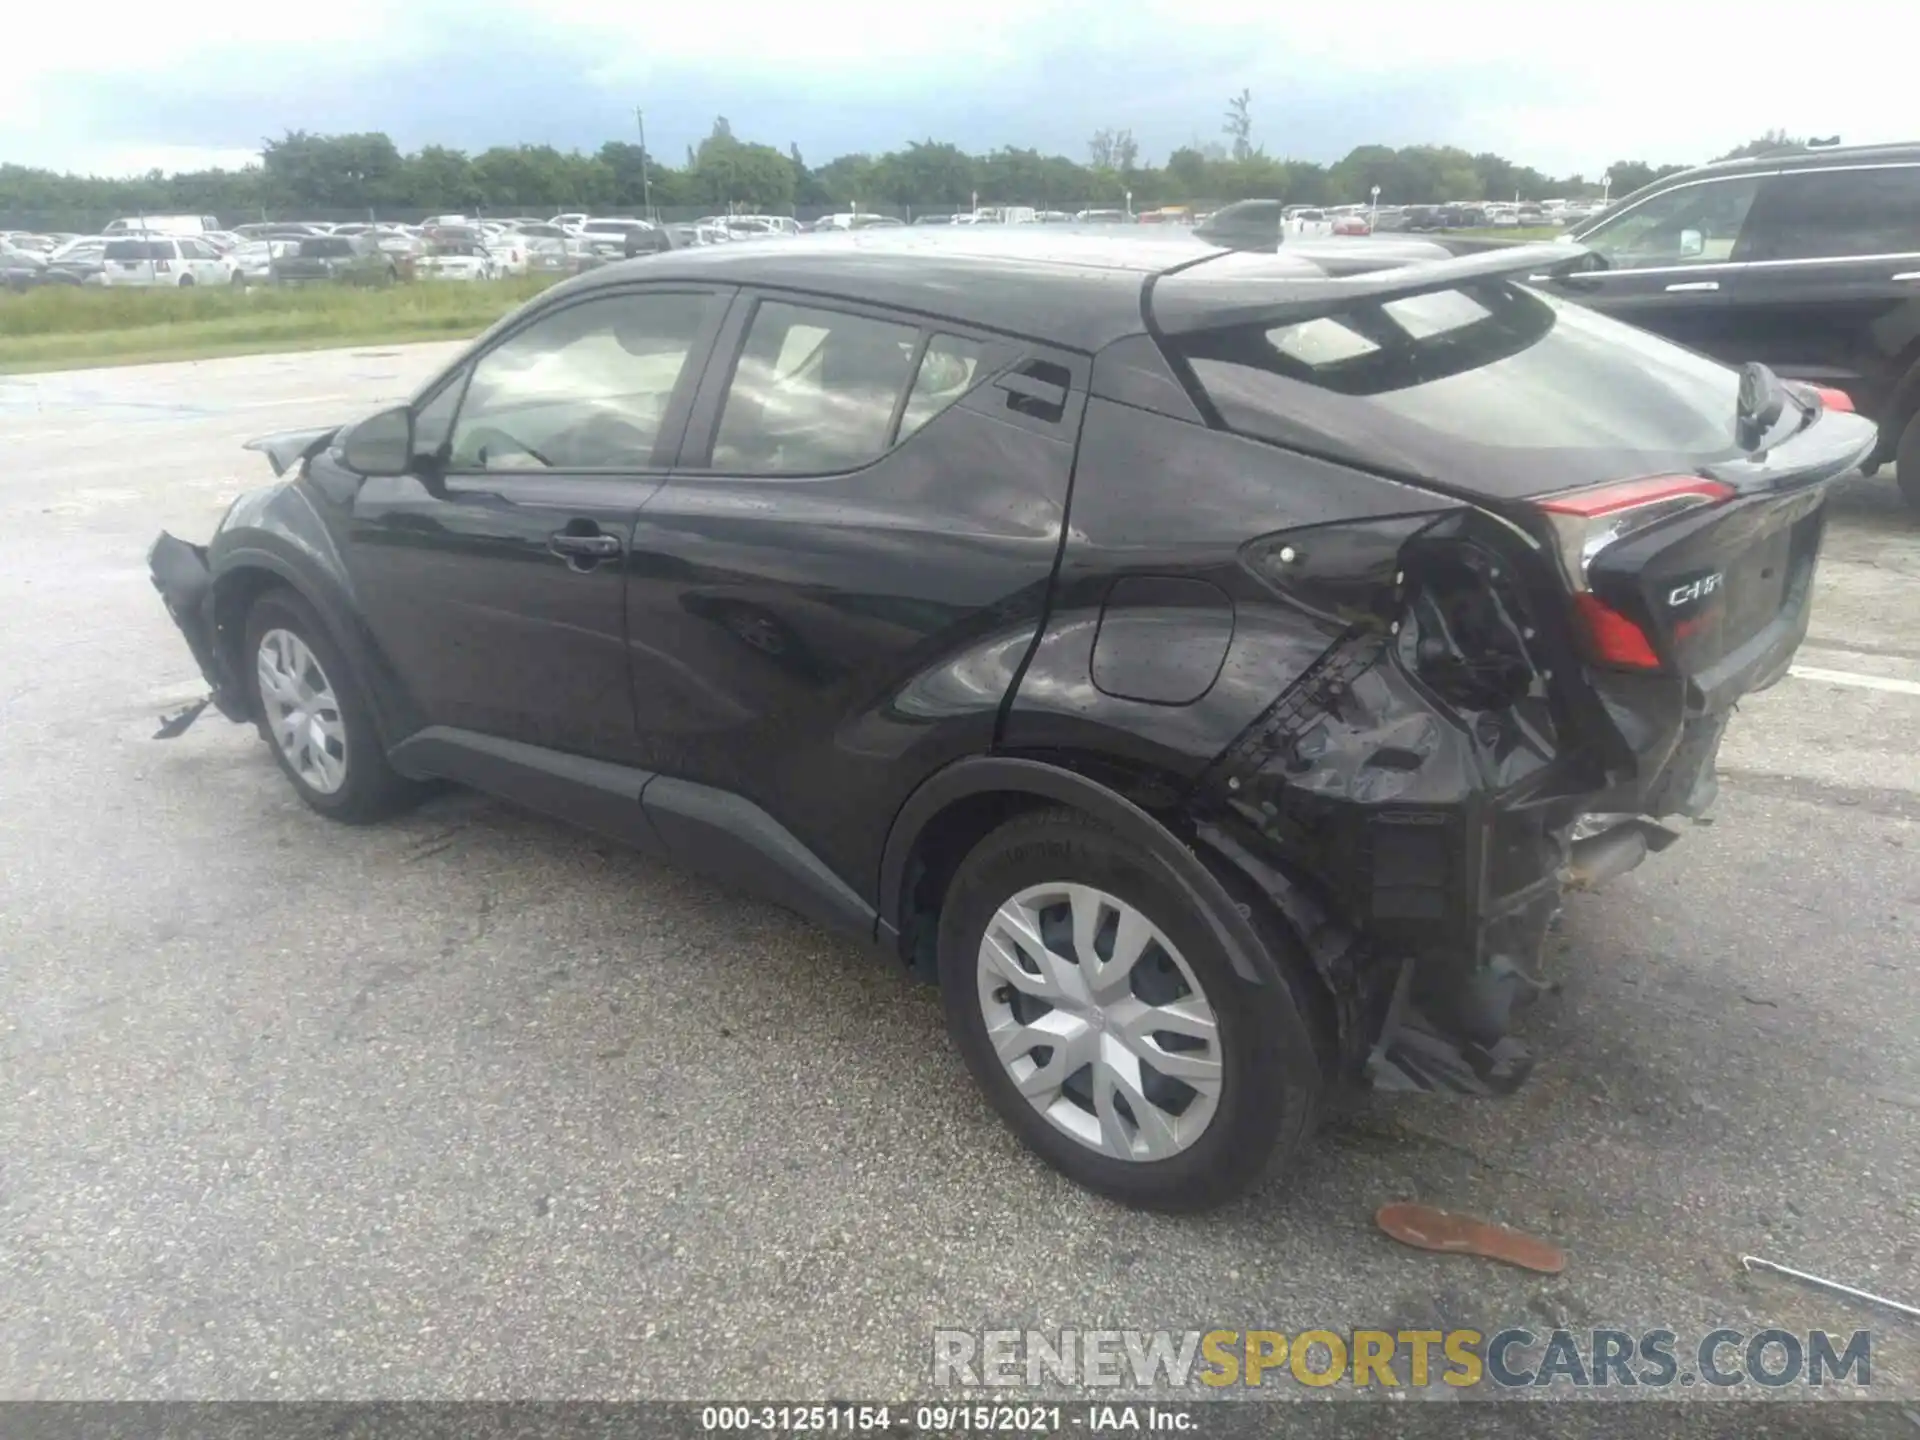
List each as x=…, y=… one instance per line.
x=1562, y=87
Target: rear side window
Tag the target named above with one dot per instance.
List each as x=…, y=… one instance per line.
x=814, y=391
x=1836, y=213
x=946, y=372
x=1486, y=381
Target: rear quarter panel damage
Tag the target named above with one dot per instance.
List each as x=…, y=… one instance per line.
x=1382, y=757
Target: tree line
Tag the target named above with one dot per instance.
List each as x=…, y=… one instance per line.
x=359, y=174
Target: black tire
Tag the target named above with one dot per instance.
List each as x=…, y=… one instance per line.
x=1273, y=1080
x=372, y=789
x=1907, y=462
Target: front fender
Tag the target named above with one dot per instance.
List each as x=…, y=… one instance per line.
x=277, y=536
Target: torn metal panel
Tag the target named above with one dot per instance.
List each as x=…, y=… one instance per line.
x=287, y=448
x=181, y=574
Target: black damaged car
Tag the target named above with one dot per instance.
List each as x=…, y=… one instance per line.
x=1211, y=666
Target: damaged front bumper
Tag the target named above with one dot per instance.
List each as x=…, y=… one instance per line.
x=181, y=573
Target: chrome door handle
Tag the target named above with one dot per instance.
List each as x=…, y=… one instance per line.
x=1694, y=286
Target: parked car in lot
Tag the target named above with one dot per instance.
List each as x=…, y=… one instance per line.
x=21, y=269
x=152, y=260
x=448, y=258
x=161, y=225
x=1809, y=263
x=339, y=260
x=1249, y=767
x=78, y=262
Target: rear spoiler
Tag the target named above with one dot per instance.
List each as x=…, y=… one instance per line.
x=1191, y=299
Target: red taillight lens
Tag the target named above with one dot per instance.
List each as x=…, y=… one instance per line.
x=1631, y=494
x=1615, y=639
x=1832, y=399
x=1587, y=521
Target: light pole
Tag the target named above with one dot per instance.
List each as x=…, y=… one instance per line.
x=1606, y=189
x=1373, y=212
x=646, y=184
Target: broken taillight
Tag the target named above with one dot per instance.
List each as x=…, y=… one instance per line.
x=1832, y=399
x=1587, y=521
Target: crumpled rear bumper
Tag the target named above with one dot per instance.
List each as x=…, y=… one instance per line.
x=181, y=574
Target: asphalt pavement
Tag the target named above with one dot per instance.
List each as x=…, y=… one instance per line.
x=472, y=1105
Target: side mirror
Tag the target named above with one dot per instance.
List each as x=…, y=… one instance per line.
x=381, y=444
x=1692, y=243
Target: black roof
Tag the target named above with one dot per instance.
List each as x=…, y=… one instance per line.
x=1082, y=289
x=1801, y=157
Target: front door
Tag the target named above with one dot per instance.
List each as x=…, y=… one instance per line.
x=1670, y=265
x=494, y=582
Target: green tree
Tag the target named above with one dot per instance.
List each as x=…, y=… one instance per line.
x=1769, y=143
x=727, y=172
x=1239, y=124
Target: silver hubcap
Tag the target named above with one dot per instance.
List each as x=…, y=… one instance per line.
x=1099, y=1021
x=301, y=711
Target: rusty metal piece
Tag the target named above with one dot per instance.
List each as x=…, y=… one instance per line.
x=1427, y=1228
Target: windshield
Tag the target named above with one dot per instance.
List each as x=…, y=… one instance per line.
x=326, y=249
x=1490, y=383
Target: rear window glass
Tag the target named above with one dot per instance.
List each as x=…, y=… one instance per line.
x=329, y=248
x=139, y=250
x=1485, y=383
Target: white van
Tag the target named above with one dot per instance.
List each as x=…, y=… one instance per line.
x=150, y=260
x=163, y=225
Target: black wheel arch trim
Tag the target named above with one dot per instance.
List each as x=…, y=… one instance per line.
x=978, y=775
x=262, y=552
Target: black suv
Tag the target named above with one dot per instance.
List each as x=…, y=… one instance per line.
x=1807, y=261
x=1211, y=666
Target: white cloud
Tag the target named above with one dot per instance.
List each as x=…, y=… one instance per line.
x=1563, y=88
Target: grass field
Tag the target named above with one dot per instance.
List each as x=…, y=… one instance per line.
x=66, y=327
x=1515, y=232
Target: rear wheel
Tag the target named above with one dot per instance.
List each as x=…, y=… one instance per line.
x=1907, y=462
x=185, y=281
x=1108, y=1028
x=313, y=715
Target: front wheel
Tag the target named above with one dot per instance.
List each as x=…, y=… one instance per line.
x=1906, y=465
x=1090, y=1000
x=311, y=712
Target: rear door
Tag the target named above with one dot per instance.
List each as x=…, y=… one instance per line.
x=497, y=590
x=833, y=591
x=1671, y=262
x=1831, y=288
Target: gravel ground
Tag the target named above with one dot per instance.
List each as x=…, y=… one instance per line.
x=472, y=1105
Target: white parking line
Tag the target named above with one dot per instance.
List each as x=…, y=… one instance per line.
x=1849, y=677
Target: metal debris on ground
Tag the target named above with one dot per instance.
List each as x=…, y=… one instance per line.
x=1899, y=1307
x=1427, y=1228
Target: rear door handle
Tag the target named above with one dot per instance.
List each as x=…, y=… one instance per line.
x=1694, y=286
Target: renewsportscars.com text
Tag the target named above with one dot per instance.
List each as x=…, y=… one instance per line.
x=1510, y=1359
